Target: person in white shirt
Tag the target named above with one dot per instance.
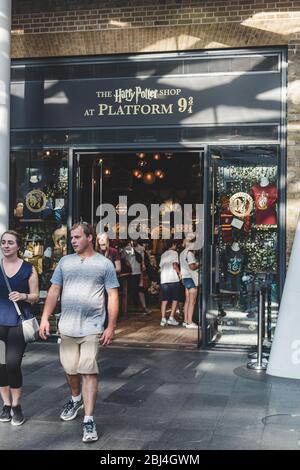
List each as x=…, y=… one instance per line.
x=170, y=283
x=190, y=279
x=134, y=254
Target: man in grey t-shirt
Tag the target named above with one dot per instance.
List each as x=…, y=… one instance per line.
x=80, y=280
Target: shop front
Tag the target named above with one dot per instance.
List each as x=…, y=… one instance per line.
x=175, y=143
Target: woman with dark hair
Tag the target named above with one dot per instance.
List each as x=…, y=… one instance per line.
x=23, y=280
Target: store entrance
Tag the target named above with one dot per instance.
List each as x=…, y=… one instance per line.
x=120, y=194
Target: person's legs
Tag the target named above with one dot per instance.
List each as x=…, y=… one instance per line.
x=6, y=395
x=5, y=415
x=15, y=348
x=4, y=387
x=192, y=301
x=69, y=353
x=89, y=392
x=173, y=308
x=186, y=305
x=171, y=320
x=88, y=368
x=163, y=308
x=74, y=382
x=142, y=299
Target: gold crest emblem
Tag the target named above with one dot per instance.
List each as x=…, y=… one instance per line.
x=241, y=204
x=36, y=200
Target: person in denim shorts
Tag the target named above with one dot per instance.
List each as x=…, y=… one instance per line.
x=81, y=279
x=190, y=279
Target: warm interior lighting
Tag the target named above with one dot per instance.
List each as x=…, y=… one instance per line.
x=149, y=178
x=141, y=154
x=160, y=174
x=107, y=172
x=137, y=173
x=156, y=156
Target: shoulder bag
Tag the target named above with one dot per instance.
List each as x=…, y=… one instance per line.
x=30, y=327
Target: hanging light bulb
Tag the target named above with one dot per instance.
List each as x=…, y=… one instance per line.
x=107, y=172
x=156, y=156
x=160, y=174
x=137, y=173
x=149, y=178
x=168, y=155
x=141, y=154
x=142, y=163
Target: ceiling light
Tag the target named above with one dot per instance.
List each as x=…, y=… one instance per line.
x=141, y=154
x=137, y=173
x=149, y=178
x=160, y=174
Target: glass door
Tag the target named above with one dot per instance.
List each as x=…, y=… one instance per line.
x=87, y=186
x=242, y=243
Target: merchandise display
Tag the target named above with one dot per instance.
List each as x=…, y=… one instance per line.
x=265, y=196
x=40, y=212
x=233, y=264
x=245, y=239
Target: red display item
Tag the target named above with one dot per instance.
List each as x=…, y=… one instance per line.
x=226, y=218
x=265, y=198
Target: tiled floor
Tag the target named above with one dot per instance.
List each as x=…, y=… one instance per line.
x=153, y=399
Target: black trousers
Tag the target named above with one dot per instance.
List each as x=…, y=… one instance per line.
x=12, y=347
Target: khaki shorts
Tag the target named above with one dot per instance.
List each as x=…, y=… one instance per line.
x=79, y=355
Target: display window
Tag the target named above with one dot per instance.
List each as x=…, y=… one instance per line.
x=39, y=202
x=244, y=240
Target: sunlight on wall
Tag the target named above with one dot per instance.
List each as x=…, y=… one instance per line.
x=294, y=91
x=183, y=41
x=276, y=22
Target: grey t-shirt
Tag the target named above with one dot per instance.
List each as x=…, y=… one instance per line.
x=82, y=298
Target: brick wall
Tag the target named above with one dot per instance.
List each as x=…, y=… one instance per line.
x=42, y=28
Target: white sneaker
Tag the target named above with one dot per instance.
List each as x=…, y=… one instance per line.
x=89, y=432
x=172, y=321
x=163, y=322
x=192, y=326
x=183, y=324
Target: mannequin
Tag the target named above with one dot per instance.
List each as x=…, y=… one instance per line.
x=233, y=263
x=264, y=181
x=235, y=246
x=264, y=194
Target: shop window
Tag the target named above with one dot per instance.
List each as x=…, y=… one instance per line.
x=244, y=234
x=39, y=180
